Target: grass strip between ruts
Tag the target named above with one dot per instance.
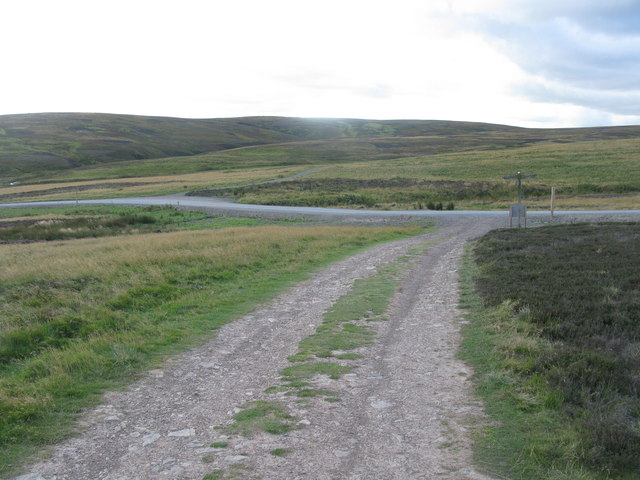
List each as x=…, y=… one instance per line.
x=346, y=327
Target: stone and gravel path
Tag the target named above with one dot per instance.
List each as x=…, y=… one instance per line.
x=404, y=414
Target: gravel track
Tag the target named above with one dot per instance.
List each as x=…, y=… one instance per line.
x=404, y=412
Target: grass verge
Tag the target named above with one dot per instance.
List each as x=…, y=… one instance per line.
x=80, y=316
x=554, y=346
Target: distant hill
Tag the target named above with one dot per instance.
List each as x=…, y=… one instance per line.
x=43, y=142
x=33, y=145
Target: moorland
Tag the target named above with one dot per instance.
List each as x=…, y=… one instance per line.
x=393, y=164
x=90, y=296
x=555, y=341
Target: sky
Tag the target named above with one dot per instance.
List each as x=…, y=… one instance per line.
x=529, y=63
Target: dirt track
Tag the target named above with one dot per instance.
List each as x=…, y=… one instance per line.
x=404, y=412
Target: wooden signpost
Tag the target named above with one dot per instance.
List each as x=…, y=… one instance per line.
x=518, y=209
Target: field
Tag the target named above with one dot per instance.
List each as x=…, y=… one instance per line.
x=142, y=186
x=80, y=315
x=594, y=174
x=408, y=164
x=554, y=338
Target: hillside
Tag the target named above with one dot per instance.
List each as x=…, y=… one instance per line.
x=48, y=142
x=355, y=163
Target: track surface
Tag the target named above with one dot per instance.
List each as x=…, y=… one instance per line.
x=404, y=411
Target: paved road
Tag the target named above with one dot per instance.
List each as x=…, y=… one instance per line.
x=227, y=207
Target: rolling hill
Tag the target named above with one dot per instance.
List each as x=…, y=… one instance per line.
x=379, y=163
x=33, y=144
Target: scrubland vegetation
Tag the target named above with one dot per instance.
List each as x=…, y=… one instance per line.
x=35, y=144
x=555, y=340
x=82, y=315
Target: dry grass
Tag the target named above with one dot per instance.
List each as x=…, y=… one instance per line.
x=105, y=256
x=32, y=218
x=604, y=202
x=137, y=186
x=599, y=162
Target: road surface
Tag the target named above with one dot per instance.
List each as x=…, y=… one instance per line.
x=227, y=207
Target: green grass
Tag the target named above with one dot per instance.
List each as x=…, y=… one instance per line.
x=315, y=392
x=581, y=165
x=552, y=339
x=81, y=316
x=366, y=301
x=280, y=452
x=344, y=327
x=309, y=370
x=215, y=475
x=262, y=416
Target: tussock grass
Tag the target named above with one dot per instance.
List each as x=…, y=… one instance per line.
x=80, y=316
x=58, y=229
x=556, y=350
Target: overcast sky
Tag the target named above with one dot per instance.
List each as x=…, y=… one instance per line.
x=532, y=63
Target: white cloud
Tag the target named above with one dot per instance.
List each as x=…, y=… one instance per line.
x=480, y=60
x=580, y=53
